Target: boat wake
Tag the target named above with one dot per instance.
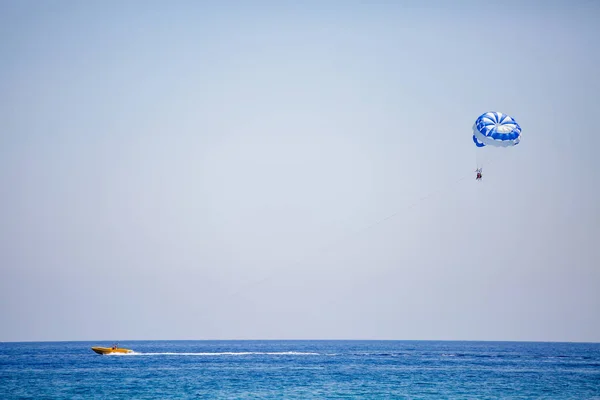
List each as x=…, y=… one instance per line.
x=226, y=353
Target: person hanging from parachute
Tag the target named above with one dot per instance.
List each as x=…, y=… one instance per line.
x=495, y=129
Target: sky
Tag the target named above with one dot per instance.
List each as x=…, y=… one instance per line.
x=283, y=170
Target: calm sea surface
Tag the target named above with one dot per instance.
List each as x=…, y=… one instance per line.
x=301, y=370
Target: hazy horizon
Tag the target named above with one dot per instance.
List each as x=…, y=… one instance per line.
x=214, y=170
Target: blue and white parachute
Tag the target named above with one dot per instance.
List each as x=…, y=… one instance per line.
x=496, y=129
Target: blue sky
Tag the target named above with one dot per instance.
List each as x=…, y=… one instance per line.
x=208, y=170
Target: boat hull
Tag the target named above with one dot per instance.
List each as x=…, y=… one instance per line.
x=110, y=350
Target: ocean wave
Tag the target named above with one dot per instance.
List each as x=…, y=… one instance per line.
x=380, y=354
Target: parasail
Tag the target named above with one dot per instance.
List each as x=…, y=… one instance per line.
x=496, y=129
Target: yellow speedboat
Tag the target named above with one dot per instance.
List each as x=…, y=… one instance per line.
x=109, y=350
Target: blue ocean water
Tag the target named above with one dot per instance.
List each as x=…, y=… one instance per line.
x=301, y=370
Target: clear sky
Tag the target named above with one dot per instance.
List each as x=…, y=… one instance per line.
x=208, y=170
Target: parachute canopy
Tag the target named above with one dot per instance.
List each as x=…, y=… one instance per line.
x=496, y=129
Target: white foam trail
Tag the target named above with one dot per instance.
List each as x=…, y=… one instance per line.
x=226, y=353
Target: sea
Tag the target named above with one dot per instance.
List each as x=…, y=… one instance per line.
x=301, y=370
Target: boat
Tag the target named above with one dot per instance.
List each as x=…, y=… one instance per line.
x=111, y=350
